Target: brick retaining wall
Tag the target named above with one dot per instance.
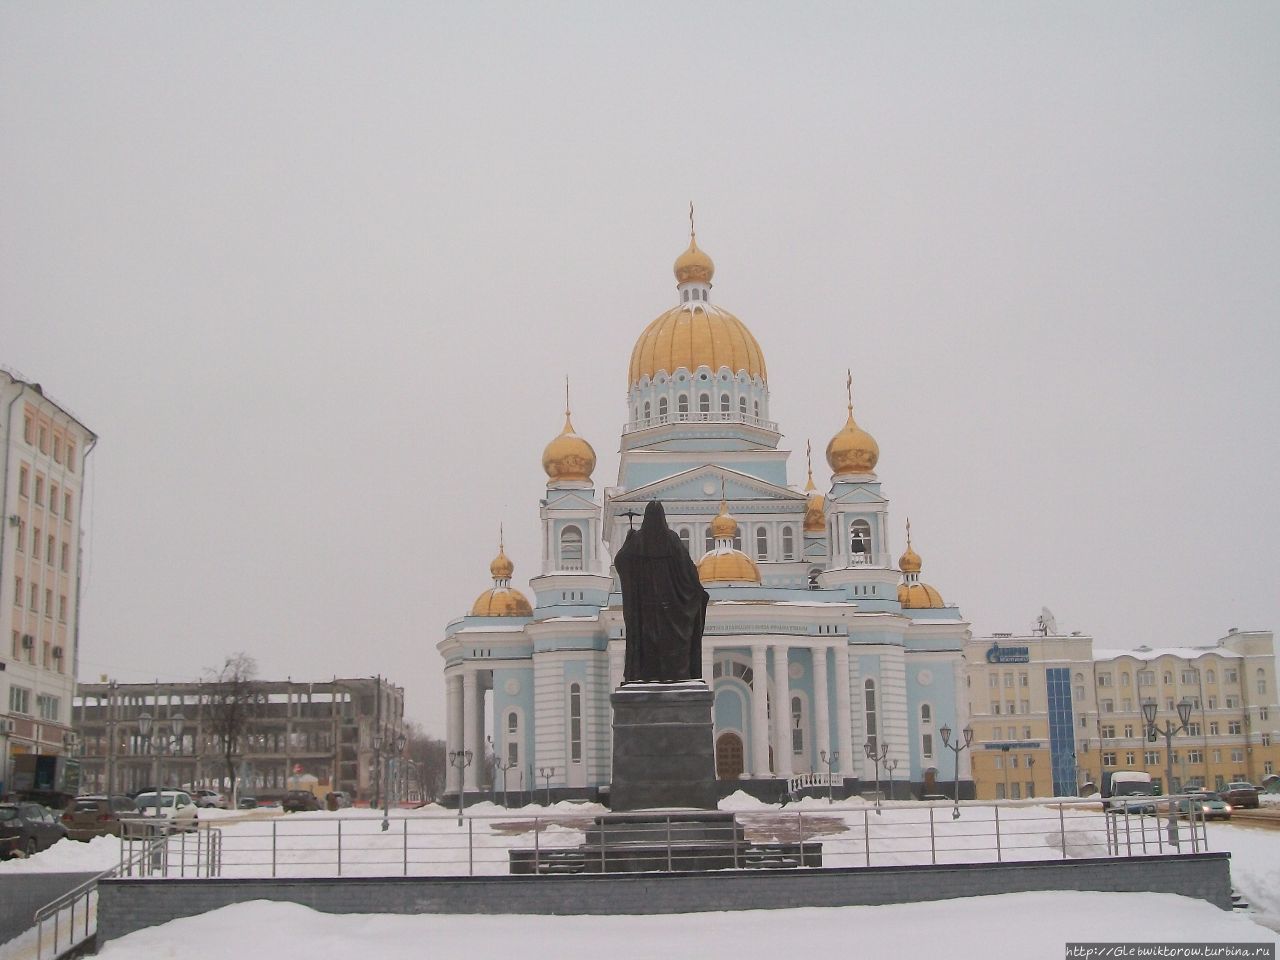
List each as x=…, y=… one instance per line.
x=126, y=905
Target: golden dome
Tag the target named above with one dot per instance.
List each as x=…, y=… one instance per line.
x=919, y=596
x=501, y=568
x=909, y=562
x=815, y=520
x=724, y=527
x=693, y=335
x=725, y=565
x=852, y=450
x=694, y=266
x=568, y=456
x=501, y=602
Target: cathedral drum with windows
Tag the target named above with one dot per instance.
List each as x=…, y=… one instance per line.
x=809, y=607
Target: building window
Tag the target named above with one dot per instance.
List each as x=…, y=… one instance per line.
x=28, y=430
x=704, y=403
x=66, y=505
x=1234, y=728
x=39, y=490
x=1108, y=732
x=662, y=406
x=724, y=404
x=1146, y=678
x=1128, y=730
x=1024, y=680
x=1230, y=676
x=685, y=540
x=47, y=707
x=1104, y=679
x=762, y=543
x=1008, y=679
x=788, y=543
x=1151, y=757
x=1268, y=768
x=1193, y=729
x=926, y=713
x=993, y=680
x=1262, y=681
x=647, y=410
x=1237, y=756
x=66, y=553
x=869, y=703
x=1210, y=677
x=682, y=406
x=1213, y=728
x=1264, y=713
x=36, y=539
x=20, y=700
x=71, y=456
x=1109, y=758
x=571, y=548
x=575, y=722
x=62, y=607
x=742, y=406
x=1124, y=679
x=53, y=499
x=1232, y=703
x=926, y=746
x=34, y=604
x=513, y=744
x=1129, y=758
x=49, y=550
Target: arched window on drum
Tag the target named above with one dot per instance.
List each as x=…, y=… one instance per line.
x=571, y=548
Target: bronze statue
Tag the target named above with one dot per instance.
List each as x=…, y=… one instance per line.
x=663, y=603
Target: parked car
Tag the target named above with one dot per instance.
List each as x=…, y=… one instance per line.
x=97, y=816
x=1271, y=784
x=1241, y=795
x=1207, y=804
x=27, y=828
x=175, y=806
x=209, y=798
x=296, y=801
x=247, y=803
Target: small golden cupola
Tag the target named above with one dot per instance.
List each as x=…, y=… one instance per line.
x=724, y=563
x=814, y=512
x=568, y=456
x=502, y=599
x=852, y=450
x=912, y=594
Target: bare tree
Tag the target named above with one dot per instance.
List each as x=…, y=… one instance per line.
x=232, y=699
x=428, y=756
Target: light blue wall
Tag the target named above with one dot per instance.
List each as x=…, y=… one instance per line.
x=940, y=695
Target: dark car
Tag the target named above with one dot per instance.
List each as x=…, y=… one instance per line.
x=247, y=803
x=1241, y=795
x=1204, y=804
x=27, y=828
x=296, y=801
x=97, y=816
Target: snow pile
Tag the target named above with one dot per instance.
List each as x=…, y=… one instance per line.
x=69, y=856
x=1040, y=924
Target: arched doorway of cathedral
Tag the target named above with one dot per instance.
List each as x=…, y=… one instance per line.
x=729, y=756
x=930, y=781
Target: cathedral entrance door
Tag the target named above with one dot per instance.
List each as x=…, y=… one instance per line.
x=728, y=756
x=931, y=781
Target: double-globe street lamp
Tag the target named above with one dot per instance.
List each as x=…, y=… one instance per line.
x=504, y=766
x=157, y=745
x=1168, y=730
x=876, y=756
x=387, y=748
x=891, y=765
x=956, y=748
x=460, y=760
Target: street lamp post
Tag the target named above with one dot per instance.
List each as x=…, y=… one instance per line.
x=891, y=765
x=829, y=760
x=460, y=759
x=156, y=749
x=1031, y=772
x=504, y=766
x=546, y=773
x=387, y=748
x=956, y=748
x=876, y=756
x=1168, y=730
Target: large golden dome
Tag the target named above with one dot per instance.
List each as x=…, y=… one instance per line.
x=852, y=450
x=919, y=596
x=723, y=566
x=501, y=602
x=568, y=456
x=693, y=335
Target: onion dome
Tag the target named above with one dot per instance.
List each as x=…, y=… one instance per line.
x=852, y=450
x=815, y=520
x=696, y=333
x=568, y=456
x=912, y=594
x=502, y=599
x=725, y=564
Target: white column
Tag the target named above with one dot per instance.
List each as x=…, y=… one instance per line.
x=844, y=711
x=759, y=712
x=781, y=712
x=821, y=713
x=452, y=719
x=708, y=661
x=470, y=736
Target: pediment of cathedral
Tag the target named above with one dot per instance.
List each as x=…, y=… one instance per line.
x=857, y=495
x=704, y=483
x=570, y=500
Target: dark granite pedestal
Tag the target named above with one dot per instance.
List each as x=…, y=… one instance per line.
x=663, y=747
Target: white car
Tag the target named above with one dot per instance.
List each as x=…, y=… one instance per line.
x=175, y=806
x=209, y=798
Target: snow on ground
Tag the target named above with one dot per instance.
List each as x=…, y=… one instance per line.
x=1036, y=924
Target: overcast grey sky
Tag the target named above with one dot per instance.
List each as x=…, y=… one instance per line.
x=315, y=273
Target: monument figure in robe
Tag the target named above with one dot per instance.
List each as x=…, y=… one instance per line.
x=663, y=603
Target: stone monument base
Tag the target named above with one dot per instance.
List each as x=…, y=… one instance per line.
x=663, y=747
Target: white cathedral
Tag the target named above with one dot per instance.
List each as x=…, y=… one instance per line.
x=819, y=647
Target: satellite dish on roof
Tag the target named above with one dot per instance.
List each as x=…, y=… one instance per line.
x=1046, y=623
